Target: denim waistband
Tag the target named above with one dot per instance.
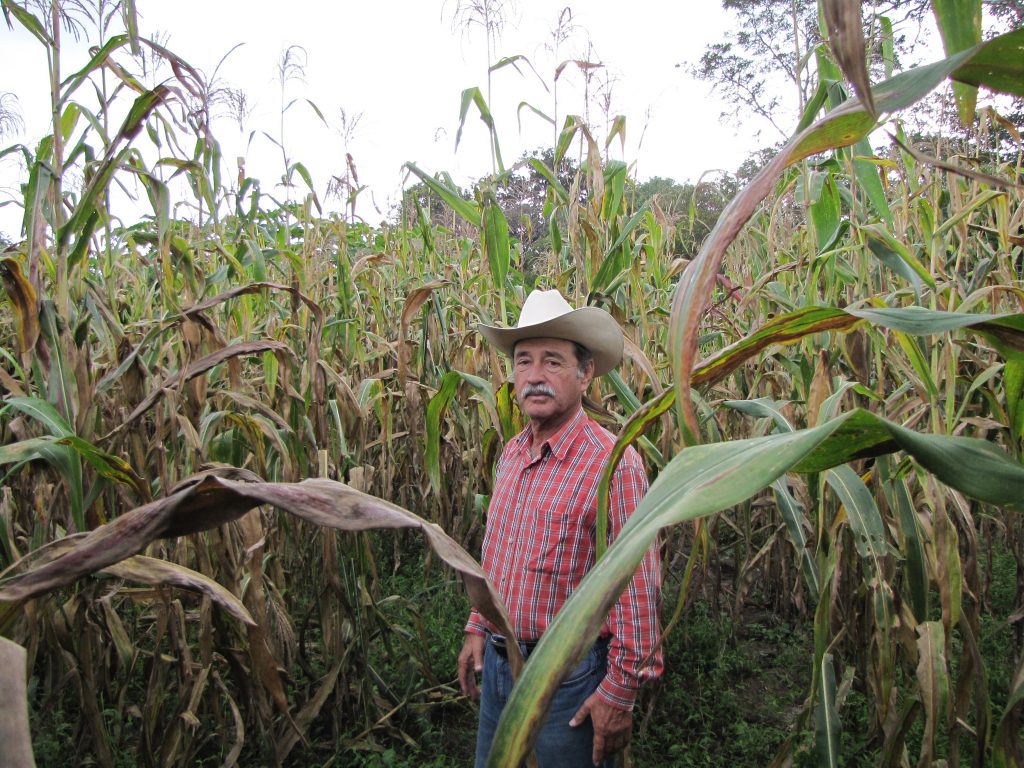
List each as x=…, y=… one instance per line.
x=500, y=645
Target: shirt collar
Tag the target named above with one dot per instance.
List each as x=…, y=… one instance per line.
x=558, y=444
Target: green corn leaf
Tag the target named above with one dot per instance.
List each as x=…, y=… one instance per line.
x=896, y=256
x=1007, y=331
x=697, y=482
x=863, y=515
x=28, y=21
x=869, y=538
x=436, y=408
x=826, y=715
x=505, y=399
x=99, y=58
x=473, y=96
x=612, y=266
x=919, y=321
x=912, y=547
x=538, y=112
x=614, y=189
x=791, y=510
x=565, y=138
x=967, y=209
x=43, y=412
x=107, y=466
x=869, y=181
x=825, y=211
x=959, y=23
x=780, y=330
x=627, y=399
x=762, y=408
x=85, y=216
x=551, y=178
x=618, y=129
x=1013, y=381
x=48, y=447
x=131, y=22
x=630, y=433
x=60, y=456
x=467, y=209
x=918, y=362
x=796, y=524
x=556, y=236
x=303, y=172
x=496, y=243
x=24, y=450
x=998, y=64
x=616, y=258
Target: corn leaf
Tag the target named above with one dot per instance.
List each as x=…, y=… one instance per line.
x=467, y=209
x=26, y=305
x=200, y=367
x=826, y=715
x=150, y=570
x=15, y=736
x=933, y=680
x=846, y=37
x=208, y=501
x=496, y=243
x=959, y=23
x=697, y=482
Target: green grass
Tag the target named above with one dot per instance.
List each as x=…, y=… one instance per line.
x=729, y=696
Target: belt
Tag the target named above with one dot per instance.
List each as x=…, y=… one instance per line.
x=500, y=645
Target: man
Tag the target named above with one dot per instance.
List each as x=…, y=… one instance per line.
x=540, y=538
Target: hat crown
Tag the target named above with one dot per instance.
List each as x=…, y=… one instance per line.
x=546, y=314
x=541, y=306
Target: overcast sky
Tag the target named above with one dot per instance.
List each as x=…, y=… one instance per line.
x=401, y=65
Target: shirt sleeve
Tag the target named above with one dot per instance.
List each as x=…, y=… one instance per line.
x=475, y=625
x=634, y=655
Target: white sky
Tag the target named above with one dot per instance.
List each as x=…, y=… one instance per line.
x=402, y=66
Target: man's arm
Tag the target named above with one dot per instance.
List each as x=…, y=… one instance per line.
x=471, y=663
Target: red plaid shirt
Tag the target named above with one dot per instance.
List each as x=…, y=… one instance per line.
x=539, y=543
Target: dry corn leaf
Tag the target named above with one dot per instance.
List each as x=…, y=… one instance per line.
x=199, y=367
x=26, y=305
x=209, y=501
x=846, y=36
x=15, y=737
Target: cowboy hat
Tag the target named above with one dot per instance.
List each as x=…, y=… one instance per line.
x=546, y=314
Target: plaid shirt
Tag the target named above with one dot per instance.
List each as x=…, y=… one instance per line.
x=539, y=543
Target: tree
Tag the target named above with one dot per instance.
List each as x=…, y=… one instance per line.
x=10, y=118
x=691, y=209
x=765, y=66
x=522, y=195
x=749, y=68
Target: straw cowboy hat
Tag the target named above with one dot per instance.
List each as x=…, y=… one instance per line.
x=546, y=314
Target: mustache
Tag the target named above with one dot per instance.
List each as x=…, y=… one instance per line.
x=537, y=389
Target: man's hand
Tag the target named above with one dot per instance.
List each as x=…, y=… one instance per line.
x=612, y=727
x=471, y=664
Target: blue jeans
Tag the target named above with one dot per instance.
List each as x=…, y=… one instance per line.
x=558, y=744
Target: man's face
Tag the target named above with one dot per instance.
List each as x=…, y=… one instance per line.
x=549, y=386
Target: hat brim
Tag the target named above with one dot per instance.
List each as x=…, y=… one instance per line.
x=592, y=327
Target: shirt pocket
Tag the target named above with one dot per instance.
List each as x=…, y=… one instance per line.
x=564, y=541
